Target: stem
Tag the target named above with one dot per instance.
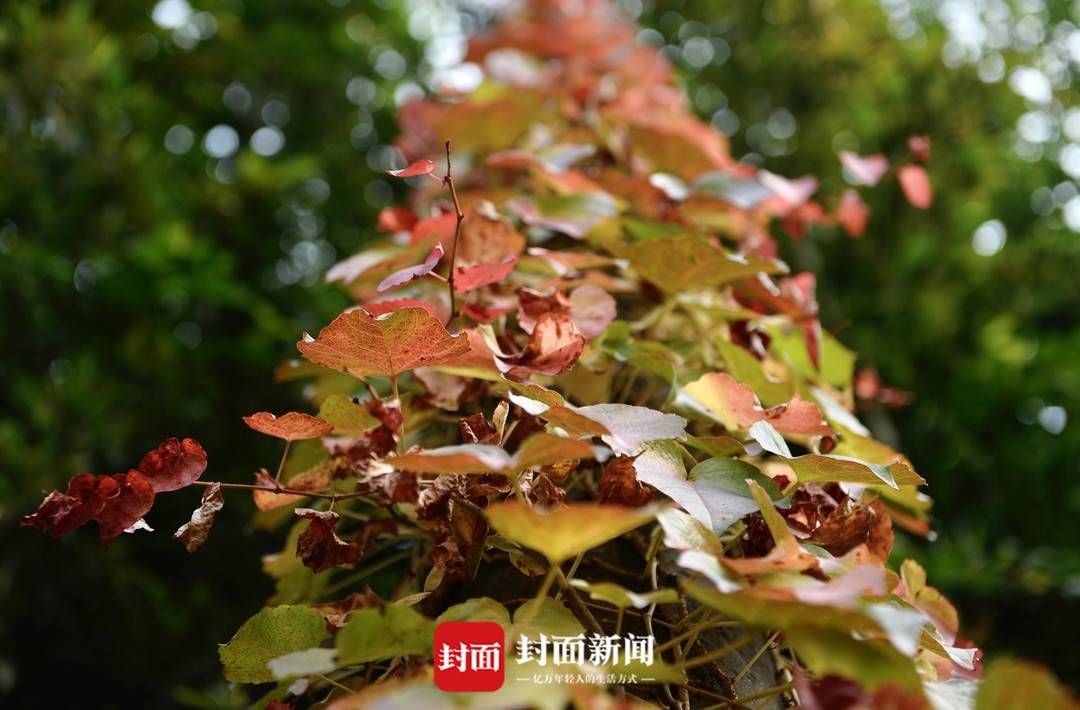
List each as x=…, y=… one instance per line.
x=281, y=464
x=753, y=659
x=397, y=398
x=570, y=575
x=281, y=490
x=718, y=653
x=366, y=572
x=334, y=683
x=449, y=182
x=694, y=630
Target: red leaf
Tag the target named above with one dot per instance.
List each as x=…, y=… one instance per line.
x=411, y=273
x=853, y=214
x=420, y=167
x=864, y=169
x=116, y=502
x=474, y=277
x=175, y=464
x=592, y=309
x=293, y=426
x=916, y=186
x=380, y=308
x=319, y=547
x=125, y=504
x=737, y=406
x=396, y=219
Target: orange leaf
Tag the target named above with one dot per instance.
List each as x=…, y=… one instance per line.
x=293, y=426
x=361, y=345
x=738, y=407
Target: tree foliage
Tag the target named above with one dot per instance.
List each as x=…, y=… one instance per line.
x=578, y=343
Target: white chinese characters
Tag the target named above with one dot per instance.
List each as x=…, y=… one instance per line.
x=595, y=649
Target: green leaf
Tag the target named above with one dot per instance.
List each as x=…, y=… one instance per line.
x=870, y=663
x=348, y=417
x=624, y=598
x=564, y=532
x=1019, y=684
x=273, y=632
x=378, y=634
x=812, y=468
x=690, y=261
x=477, y=609
x=545, y=616
x=714, y=492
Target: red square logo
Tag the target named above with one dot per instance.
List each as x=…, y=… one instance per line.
x=470, y=656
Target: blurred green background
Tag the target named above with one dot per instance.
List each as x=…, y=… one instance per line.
x=178, y=175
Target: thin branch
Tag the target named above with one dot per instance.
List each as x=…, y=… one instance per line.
x=281, y=464
x=282, y=490
x=449, y=182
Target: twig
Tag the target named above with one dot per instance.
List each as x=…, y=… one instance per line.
x=397, y=398
x=282, y=490
x=449, y=182
x=281, y=464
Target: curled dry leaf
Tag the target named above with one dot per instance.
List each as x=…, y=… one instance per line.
x=319, y=547
x=194, y=532
x=420, y=167
x=294, y=426
x=361, y=345
x=619, y=484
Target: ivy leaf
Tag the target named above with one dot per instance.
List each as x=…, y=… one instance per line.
x=629, y=427
x=737, y=407
x=411, y=273
x=319, y=547
x=471, y=278
x=832, y=468
x=916, y=186
x=477, y=609
x=562, y=533
x=420, y=167
x=361, y=345
x=715, y=491
x=537, y=451
x=872, y=663
x=685, y=262
x=194, y=532
x=294, y=426
x=273, y=632
x=174, y=464
x=624, y=598
x=546, y=616
x=864, y=169
x=381, y=308
x=389, y=632
x=346, y=416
